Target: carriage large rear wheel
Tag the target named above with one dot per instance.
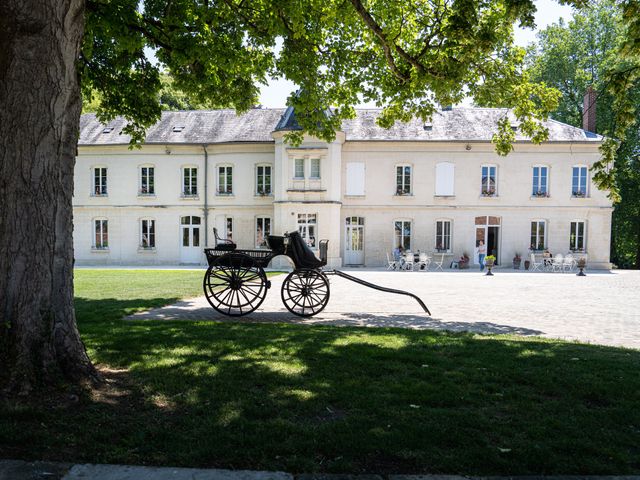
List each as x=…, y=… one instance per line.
x=234, y=285
x=305, y=292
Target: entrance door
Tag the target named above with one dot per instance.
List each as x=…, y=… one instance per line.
x=354, y=242
x=487, y=231
x=190, y=251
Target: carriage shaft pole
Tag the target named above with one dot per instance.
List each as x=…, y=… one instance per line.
x=378, y=287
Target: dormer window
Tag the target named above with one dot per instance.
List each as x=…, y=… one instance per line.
x=107, y=129
x=428, y=126
x=178, y=128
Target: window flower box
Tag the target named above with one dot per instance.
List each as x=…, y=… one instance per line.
x=488, y=192
x=578, y=194
x=541, y=194
x=403, y=191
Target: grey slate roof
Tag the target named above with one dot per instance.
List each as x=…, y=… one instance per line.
x=224, y=126
x=200, y=126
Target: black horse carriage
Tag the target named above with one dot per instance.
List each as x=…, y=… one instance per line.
x=235, y=283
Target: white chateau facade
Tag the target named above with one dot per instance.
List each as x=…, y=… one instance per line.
x=431, y=187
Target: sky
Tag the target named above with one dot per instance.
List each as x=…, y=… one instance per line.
x=549, y=11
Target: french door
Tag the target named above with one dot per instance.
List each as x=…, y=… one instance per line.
x=354, y=242
x=190, y=251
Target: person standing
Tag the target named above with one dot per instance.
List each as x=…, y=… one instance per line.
x=482, y=252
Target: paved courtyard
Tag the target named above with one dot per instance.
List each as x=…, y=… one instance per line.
x=602, y=308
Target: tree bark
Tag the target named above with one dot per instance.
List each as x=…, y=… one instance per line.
x=40, y=107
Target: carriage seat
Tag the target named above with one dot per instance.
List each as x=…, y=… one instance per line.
x=223, y=244
x=302, y=255
x=276, y=244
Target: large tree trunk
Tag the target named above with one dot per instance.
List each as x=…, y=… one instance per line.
x=40, y=108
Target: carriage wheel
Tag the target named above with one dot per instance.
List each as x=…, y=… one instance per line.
x=234, y=285
x=305, y=292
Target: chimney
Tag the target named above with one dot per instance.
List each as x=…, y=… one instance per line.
x=589, y=110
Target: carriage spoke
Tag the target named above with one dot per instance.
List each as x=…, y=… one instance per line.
x=245, y=297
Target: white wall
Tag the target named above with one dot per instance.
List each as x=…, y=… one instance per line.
x=379, y=205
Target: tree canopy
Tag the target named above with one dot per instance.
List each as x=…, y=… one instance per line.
x=407, y=57
x=586, y=52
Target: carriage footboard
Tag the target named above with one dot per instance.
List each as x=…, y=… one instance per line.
x=378, y=287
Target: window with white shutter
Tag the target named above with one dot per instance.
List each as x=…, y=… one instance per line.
x=355, y=178
x=445, y=174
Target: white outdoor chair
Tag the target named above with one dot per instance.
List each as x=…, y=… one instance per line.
x=391, y=264
x=408, y=260
x=423, y=261
x=535, y=266
x=568, y=262
x=439, y=263
x=557, y=263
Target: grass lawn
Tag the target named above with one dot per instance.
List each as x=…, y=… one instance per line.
x=330, y=399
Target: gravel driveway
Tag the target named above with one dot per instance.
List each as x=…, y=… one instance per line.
x=602, y=308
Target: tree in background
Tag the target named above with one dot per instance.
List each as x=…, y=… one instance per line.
x=583, y=53
x=169, y=98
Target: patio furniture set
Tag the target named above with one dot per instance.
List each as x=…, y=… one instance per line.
x=419, y=261
x=556, y=263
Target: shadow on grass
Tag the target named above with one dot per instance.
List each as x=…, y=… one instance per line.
x=319, y=398
x=187, y=310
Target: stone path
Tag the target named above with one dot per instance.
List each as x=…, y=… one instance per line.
x=602, y=308
x=21, y=470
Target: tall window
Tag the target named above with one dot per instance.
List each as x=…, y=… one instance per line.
x=307, y=224
x=263, y=179
x=147, y=181
x=298, y=168
x=148, y=233
x=576, y=238
x=540, y=185
x=101, y=234
x=100, y=181
x=263, y=229
x=538, y=235
x=402, y=236
x=190, y=181
x=314, y=168
x=489, y=180
x=403, y=179
x=579, y=182
x=228, y=225
x=225, y=180
x=443, y=235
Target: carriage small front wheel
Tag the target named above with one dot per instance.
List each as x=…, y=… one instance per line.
x=234, y=285
x=305, y=292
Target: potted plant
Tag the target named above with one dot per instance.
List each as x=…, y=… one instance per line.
x=581, y=264
x=517, y=260
x=489, y=261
